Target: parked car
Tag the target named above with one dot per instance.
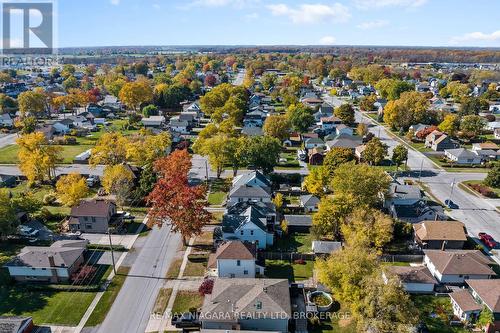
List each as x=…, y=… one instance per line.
x=450, y=204
x=27, y=231
x=125, y=215
x=185, y=320
x=92, y=180
x=487, y=240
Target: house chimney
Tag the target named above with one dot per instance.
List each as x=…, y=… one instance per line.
x=51, y=261
x=53, y=270
x=444, y=245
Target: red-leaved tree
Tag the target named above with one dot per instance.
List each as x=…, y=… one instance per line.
x=174, y=201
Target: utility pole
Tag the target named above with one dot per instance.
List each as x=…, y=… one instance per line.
x=452, y=186
x=206, y=170
x=112, y=253
x=421, y=166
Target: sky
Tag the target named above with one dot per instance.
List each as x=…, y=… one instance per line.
x=278, y=22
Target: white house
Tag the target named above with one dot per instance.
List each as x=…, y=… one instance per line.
x=179, y=126
x=6, y=120
x=250, y=226
x=153, y=121
x=309, y=202
x=464, y=306
x=468, y=303
x=61, y=127
x=456, y=266
x=314, y=143
x=415, y=280
x=462, y=156
x=343, y=130
x=251, y=186
x=236, y=259
x=495, y=108
x=111, y=102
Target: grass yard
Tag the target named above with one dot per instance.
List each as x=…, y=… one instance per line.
x=216, y=198
x=217, y=218
x=108, y=298
x=162, y=300
x=196, y=265
x=174, y=269
x=283, y=269
x=8, y=154
x=218, y=191
x=294, y=242
x=187, y=300
x=435, y=312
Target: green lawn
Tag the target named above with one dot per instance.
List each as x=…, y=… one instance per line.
x=196, y=265
x=108, y=298
x=218, y=191
x=294, y=242
x=435, y=312
x=8, y=155
x=216, y=198
x=283, y=269
x=161, y=301
x=187, y=300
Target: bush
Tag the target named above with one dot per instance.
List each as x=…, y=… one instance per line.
x=483, y=190
x=84, y=274
x=299, y=262
x=49, y=199
x=206, y=287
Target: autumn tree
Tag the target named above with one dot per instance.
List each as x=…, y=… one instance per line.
x=411, y=108
x=471, y=126
x=278, y=201
x=235, y=151
x=31, y=102
x=277, y=126
x=136, y=93
x=368, y=227
x=174, y=201
x=8, y=220
x=225, y=99
x=399, y=154
x=362, y=129
x=37, y=159
x=469, y=106
x=346, y=113
x=331, y=214
x=110, y=149
x=300, y=117
x=360, y=181
x=118, y=180
x=375, y=151
x=391, y=89
x=367, y=102
x=145, y=149
x=450, y=124
x=337, y=156
x=71, y=188
x=316, y=182
x=263, y=152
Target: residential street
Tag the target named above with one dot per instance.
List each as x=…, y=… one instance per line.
x=478, y=214
x=84, y=169
x=132, y=308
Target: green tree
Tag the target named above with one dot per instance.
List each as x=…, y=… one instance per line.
x=486, y=318
x=149, y=110
x=469, y=106
x=368, y=227
x=471, y=126
x=236, y=153
x=31, y=102
x=346, y=113
x=360, y=181
x=375, y=151
x=399, y=155
x=277, y=126
x=8, y=220
x=337, y=156
x=263, y=152
x=493, y=177
x=300, y=117
x=392, y=88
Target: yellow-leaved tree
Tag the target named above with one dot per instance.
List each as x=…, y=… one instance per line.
x=70, y=189
x=136, y=93
x=111, y=149
x=37, y=159
x=118, y=180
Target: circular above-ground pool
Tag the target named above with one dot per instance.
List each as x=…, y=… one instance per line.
x=321, y=299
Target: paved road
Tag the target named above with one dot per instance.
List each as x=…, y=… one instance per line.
x=478, y=214
x=240, y=77
x=132, y=308
x=8, y=139
x=84, y=169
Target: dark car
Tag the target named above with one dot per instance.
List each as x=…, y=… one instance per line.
x=487, y=240
x=450, y=204
x=185, y=320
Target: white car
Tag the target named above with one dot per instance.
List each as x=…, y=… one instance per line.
x=27, y=231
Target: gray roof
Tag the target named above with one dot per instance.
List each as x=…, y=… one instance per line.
x=38, y=256
x=231, y=223
x=246, y=178
x=252, y=131
x=299, y=220
x=249, y=191
x=259, y=298
x=461, y=153
x=13, y=324
x=345, y=141
x=325, y=247
x=309, y=200
x=263, y=208
x=404, y=191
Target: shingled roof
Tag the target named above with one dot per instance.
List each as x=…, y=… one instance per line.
x=440, y=230
x=236, y=250
x=488, y=291
x=460, y=262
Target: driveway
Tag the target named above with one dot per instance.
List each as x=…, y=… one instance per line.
x=126, y=241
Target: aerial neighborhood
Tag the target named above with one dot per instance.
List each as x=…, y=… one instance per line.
x=246, y=189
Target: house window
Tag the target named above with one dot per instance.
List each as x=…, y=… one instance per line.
x=245, y=272
x=241, y=232
x=85, y=218
x=258, y=305
x=88, y=226
x=251, y=232
x=232, y=275
x=238, y=262
x=93, y=219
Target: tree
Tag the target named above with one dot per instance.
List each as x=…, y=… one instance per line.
x=110, y=149
x=8, y=219
x=344, y=271
x=346, y=113
x=493, y=177
x=411, y=108
x=316, y=182
x=71, y=188
x=385, y=306
x=225, y=99
x=337, y=156
x=70, y=83
x=362, y=129
x=450, y=124
x=31, y=102
x=399, y=155
x=149, y=110
x=361, y=181
x=269, y=80
x=471, y=126
x=331, y=214
x=456, y=90
x=37, y=159
x=368, y=227
x=367, y=102
x=118, y=180
x=469, y=106
x=392, y=88
x=136, y=93
x=210, y=80
x=236, y=153
x=300, y=117
x=278, y=201
x=277, y=126
x=145, y=149
x=375, y=151
x=174, y=200
x=214, y=148
x=263, y=152
x=486, y=318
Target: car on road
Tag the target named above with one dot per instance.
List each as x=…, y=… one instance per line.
x=185, y=320
x=27, y=231
x=487, y=240
x=450, y=204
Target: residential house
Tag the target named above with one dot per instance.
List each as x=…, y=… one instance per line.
x=316, y=156
x=267, y=209
x=236, y=259
x=252, y=131
x=418, y=127
x=455, y=266
x=311, y=143
x=7, y=180
x=477, y=295
x=6, y=120
x=324, y=111
x=495, y=108
x=312, y=102
x=402, y=195
x=345, y=141
x=265, y=303
x=324, y=248
x=178, y=126
x=251, y=186
x=417, y=212
x=485, y=146
x=250, y=226
x=438, y=141
x=62, y=126
x=462, y=156
x=491, y=126
x=254, y=118
x=440, y=235
x=298, y=223
x=16, y=324
x=422, y=87
x=309, y=202
x=415, y=280
x=343, y=130
x=111, y=102
x=93, y=216
x=153, y=121
x=95, y=109
x=53, y=264
x=328, y=124
x=47, y=130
